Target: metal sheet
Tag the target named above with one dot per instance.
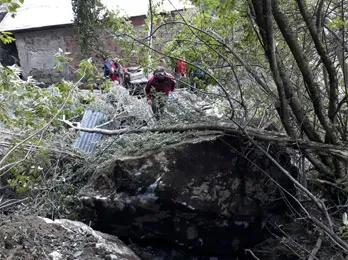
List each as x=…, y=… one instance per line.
x=88, y=141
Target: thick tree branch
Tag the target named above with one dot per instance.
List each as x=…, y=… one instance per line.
x=307, y=73
x=297, y=107
x=286, y=91
x=330, y=68
x=228, y=128
x=319, y=15
x=263, y=13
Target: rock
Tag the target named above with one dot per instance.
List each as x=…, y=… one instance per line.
x=30, y=237
x=8, y=200
x=111, y=257
x=55, y=256
x=201, y=195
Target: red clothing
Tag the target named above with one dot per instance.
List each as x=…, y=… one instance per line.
x=180, y=68
x=165, y=85
x=113, y=75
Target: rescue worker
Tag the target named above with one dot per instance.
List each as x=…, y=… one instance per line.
x=157, y=90
x=180, y=71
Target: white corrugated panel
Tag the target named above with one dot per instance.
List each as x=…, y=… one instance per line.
x=88, y=141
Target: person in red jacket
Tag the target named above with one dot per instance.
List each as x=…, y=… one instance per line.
x=180, y=68
x=116, y=70
x=180, y=71
x=113, y=76
x=157, y=90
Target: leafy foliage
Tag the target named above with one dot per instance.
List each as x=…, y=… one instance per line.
x=29, y=109
x=89, y=23
x=11, y=6
x=6, y=37
x=93, y=23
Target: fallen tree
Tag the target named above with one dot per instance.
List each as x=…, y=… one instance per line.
x=228, y=128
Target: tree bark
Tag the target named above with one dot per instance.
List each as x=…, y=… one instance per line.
x=274, y=61
x=331, y=70
x=307, y=74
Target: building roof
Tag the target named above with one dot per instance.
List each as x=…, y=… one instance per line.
x=38, y=13
x=44, y=13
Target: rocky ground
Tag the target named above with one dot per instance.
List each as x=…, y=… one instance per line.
x=33, y=237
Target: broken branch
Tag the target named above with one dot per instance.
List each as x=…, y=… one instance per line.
x=227, y=128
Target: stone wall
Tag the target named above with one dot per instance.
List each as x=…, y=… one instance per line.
x=36, y=51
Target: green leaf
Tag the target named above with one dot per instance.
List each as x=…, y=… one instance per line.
x=335, y=23
x=339, y=180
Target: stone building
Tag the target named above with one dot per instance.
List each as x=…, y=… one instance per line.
x=42, y=27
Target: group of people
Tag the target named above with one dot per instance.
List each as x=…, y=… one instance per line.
x=158, y=87
x=113, y=69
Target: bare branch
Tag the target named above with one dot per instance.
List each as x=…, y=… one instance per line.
x=220, y=40
x=252, y=254
x=315, y=250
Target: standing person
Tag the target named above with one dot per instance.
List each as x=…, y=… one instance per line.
x=116, y=70
x=180, y=70
x=157, y=90
x=119, y=70
x=196, y=75
x=107, y=66
x=113, y=71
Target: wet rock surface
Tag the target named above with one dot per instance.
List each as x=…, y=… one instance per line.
x=209, y=196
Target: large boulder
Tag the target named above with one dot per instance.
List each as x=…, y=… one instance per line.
x=209, y=195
